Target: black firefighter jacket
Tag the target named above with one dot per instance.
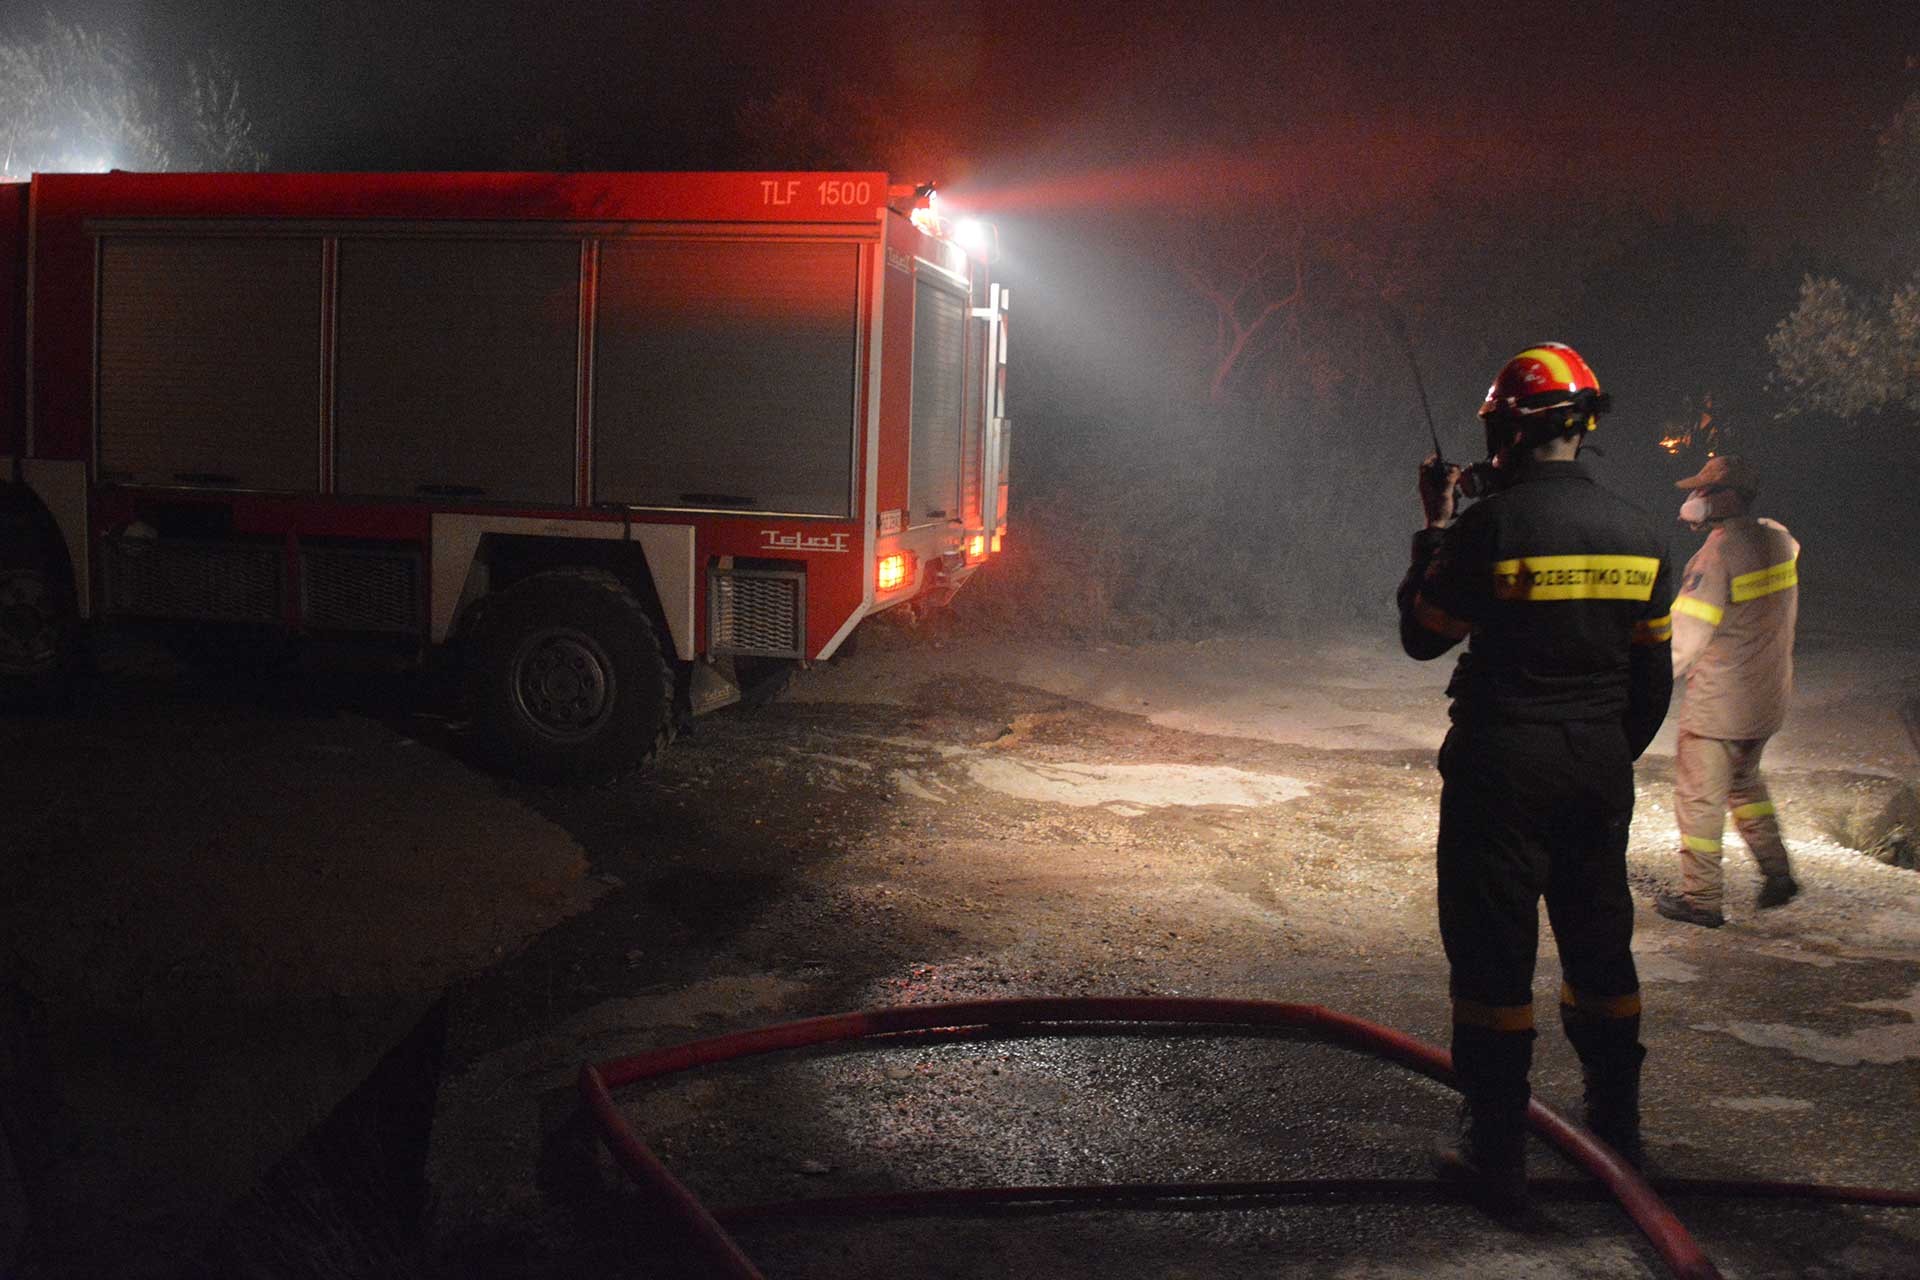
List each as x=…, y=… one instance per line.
x=1563, y=593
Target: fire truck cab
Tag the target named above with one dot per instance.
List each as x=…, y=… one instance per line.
x=625, y=445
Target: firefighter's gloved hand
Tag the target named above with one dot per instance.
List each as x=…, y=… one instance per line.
x=1439, y=481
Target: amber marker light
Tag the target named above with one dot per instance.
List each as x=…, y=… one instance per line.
x=893, y=572
x=996, y=542
x=978, y=547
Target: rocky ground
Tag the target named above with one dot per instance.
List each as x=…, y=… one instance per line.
x=226, y=900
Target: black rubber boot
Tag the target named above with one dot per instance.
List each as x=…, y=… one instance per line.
x=1617, y=1123
x=1777, y=891
x=1610, y=1056
x=1486, y=1157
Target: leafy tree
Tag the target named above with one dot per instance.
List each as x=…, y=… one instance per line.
x=1848, y=351
x=73, y=96
x=1850, y=348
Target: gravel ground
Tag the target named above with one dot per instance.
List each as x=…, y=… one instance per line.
x=1004, y=828
x=257, y=893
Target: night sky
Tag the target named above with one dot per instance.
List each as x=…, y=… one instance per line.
x=1709, y=113
x=1759, y=109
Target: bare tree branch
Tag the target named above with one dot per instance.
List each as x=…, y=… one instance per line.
x=1237, y=334
x=78, y=97
x=222, y=128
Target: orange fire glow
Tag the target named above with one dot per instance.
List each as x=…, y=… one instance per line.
x=1697, y=427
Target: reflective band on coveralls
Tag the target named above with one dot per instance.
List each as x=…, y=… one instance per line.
x=1627, y=1006
x=1764, y=582
x=1707, y=613
x=1494, y=1017
x=1654, y=630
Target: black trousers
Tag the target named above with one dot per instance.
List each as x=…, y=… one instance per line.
x=1526, y=811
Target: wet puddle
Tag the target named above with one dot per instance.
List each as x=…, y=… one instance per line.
x=1880, y=1045
x=1133, y=788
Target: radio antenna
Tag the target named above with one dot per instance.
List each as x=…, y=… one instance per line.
x=1396, y=327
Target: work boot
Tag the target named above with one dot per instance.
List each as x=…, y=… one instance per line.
x=1675, y=907
x=1777, y=891
x=1613, y=1114
x=1610, y=1057
x=1487, y=1158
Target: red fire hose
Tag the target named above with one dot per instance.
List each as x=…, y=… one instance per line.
x=1670, y=1240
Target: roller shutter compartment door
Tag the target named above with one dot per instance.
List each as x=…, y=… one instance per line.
x=972, y=460
x=725, y=374
x=457, y=368
x=939, y=401
x=209, y=361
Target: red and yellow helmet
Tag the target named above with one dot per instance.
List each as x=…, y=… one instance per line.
x=1543, y=378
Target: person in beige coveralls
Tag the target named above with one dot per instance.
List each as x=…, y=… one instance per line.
x=1733, y=646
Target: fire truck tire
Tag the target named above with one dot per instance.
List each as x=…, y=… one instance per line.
x=39, y=639
x=569, y=680
x=39, y=615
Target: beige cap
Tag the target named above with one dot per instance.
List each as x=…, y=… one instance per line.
x=1725, y=471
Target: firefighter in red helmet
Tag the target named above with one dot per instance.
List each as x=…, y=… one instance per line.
x=1562, y=592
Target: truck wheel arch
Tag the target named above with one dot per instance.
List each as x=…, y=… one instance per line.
x=490, y=560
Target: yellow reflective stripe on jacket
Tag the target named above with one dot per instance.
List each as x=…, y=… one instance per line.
x=1575, y=578
x=1439, y=621
x=1707, y=613
x=1758, y=809
x=1700, y=844
x=1494, y=1017
x=1764, y=582
x=1653, y=630
x=1627, y=1006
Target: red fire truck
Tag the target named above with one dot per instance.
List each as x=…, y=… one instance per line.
x=623, y=444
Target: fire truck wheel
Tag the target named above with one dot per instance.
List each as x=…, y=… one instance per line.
x=39, y=635
x=569, y=680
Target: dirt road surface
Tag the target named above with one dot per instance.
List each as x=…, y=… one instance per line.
x=228, y=905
